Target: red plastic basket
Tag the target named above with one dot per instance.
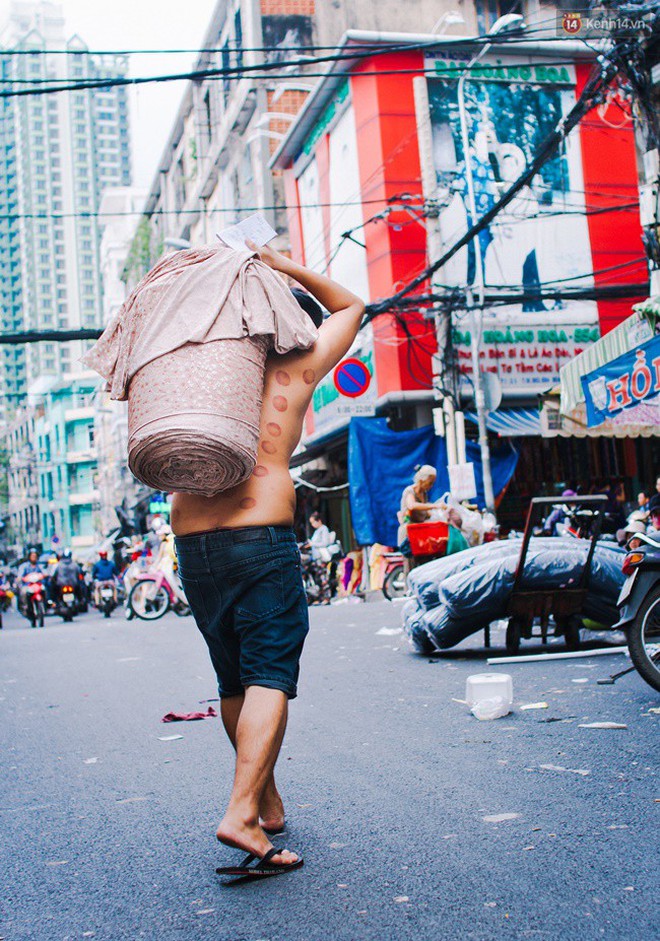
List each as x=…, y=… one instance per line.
x=428, y=538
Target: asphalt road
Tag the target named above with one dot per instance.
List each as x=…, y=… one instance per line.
x=394, y=793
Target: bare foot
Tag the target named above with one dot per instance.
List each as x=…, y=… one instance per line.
x=272, y=810
x=250, y=838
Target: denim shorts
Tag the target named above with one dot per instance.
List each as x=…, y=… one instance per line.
x=245, y=589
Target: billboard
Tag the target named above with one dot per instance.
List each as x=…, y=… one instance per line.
x=541, y=238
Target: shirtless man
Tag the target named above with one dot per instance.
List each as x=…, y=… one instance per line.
x=240, y=568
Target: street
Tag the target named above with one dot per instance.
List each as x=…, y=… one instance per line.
x=394, y=793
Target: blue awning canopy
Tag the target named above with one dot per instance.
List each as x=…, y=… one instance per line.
x=511, y=422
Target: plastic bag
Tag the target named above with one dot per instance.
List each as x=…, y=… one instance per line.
x=494, y=708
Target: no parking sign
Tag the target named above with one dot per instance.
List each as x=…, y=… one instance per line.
x=352, y=378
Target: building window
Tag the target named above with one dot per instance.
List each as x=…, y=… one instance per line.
x=489, y=11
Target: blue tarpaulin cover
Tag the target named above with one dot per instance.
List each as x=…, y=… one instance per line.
x=381, y=463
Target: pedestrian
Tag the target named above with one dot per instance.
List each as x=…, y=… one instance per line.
x=642, y=505
x=240, y=568
x=558, y=515
x=634, y=528
x=321, y=537
x=654, y=514
x=415, y=508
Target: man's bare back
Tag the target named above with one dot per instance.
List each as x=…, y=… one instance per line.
x=267, y=498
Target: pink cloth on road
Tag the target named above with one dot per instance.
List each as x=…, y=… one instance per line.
x=188, y=350
x=189, y=716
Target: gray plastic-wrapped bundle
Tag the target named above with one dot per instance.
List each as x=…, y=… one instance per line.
x=465, y=598
x=188, y=350
x=425, y=580
x=412, y=617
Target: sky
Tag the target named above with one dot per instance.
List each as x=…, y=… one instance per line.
x=159, y=24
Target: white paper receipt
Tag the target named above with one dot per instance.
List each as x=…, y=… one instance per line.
x=254, y=227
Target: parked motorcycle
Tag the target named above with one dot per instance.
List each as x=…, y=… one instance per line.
x=107, y=598
x=66, y=603
x=6, y=595
x=315, y=576
x=33, y=601
x=639, y=607
x=394, y=582
x=152, y=596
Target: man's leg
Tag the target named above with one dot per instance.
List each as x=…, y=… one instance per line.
x=259, y=732
x=271, y=808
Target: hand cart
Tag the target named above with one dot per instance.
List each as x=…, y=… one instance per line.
x=563, y=604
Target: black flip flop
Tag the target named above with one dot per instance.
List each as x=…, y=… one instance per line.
x=274, y=831
x=263, y=867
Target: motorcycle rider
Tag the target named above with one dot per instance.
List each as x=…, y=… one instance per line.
x=104, y=570
x=29, y=567
x=67, y=572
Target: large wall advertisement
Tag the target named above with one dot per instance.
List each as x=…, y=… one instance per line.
x=541, y=239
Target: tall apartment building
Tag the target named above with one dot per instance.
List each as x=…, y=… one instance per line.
x=58, y=153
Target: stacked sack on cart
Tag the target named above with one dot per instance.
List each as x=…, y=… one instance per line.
x=456, y=596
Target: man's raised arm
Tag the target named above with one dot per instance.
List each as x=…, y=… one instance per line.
x=338, y=332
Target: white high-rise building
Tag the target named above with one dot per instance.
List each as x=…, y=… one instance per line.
x=60, y=151
x=58, y=154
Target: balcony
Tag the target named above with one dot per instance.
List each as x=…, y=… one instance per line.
x=79, y=414
x=84, y=498
x=82, y=542
x=88, y=455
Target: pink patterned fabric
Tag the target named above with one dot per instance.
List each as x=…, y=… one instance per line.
x=188, y=349
x=196, y=296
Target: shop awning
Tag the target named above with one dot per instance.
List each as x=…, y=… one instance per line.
x=511, y=422
x=636, y=329
x=642, y=421
x=565, y=411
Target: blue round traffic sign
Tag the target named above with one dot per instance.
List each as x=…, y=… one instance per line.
x=352, y=378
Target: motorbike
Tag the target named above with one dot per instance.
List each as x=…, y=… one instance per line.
x=152, y=596
x=107, y=599
x=639, y=607
x=6, y=595
x=33, y=604
x=394, y=582
x=66, y=603
x=315, y=576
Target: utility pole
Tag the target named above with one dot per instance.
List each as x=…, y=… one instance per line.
x=508, y=23
x=434, y=201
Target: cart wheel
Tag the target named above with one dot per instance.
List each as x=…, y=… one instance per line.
x=513, y=636
x=572, y=633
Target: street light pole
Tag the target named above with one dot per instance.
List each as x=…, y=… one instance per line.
x=511, y=21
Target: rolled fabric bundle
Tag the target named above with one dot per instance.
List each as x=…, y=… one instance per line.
x=188, y=351
x=193, y=416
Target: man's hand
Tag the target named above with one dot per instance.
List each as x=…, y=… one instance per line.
x=275, y=260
